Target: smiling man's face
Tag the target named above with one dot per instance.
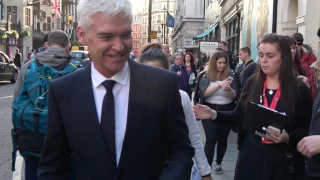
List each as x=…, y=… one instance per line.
x=109, y=42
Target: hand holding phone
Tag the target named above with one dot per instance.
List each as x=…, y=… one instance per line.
x=277, y=136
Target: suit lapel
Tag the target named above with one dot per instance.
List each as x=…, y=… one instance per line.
x=137, y=99
x=87, y=109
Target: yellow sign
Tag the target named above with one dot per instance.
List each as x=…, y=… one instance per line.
x=153, y=35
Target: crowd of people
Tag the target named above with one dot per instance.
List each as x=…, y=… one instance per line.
x=122, y=119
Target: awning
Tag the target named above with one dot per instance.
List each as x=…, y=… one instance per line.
x=200, y=36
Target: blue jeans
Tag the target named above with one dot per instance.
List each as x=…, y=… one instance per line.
x=31, y=168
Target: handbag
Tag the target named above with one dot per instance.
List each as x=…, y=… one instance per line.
x=192, y=79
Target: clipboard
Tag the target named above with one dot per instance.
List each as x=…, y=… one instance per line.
x=257, y=116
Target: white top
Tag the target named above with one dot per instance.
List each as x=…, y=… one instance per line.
x=199, y=156
x=219, y=97
x=121, y=100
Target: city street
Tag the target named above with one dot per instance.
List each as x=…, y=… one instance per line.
x=6, y=91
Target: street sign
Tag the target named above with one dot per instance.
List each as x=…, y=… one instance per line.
x=153, y=35
x=208, y=47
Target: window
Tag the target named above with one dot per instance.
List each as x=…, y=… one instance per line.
x=12, y=11
x=47, y=26
x=27, y=17
x=159, y=7
x=13, y=41
x=233, y=36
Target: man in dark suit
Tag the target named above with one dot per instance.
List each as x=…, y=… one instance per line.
x=119, y=120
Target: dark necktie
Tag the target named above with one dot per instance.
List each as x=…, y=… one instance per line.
x=108, y=118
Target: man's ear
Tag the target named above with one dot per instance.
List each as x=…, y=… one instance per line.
x=46, y=45
x=81, y=33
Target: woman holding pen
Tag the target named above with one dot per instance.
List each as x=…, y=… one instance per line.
x=276, y=87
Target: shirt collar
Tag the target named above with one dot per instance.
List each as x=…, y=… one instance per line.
x=120, y=77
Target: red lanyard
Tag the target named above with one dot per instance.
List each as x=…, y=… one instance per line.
x=275, y=99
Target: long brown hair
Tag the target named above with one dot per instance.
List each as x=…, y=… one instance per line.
x=288, y=81
x=212, y=70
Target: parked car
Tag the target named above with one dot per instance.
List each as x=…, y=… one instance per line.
x=8, y=71
x=81, y=56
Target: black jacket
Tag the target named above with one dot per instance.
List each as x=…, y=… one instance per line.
x=313, y=164
x=298, y=129
x=156, y=143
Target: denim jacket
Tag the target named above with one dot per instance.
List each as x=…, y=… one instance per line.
x=203, y=83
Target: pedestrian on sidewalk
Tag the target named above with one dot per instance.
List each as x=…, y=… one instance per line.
x=276, y=88
x=310, y=145
x=306, y=57
x=17, y=59
x=217, y=88
x=119, y=119
x=155, y=57
x=30, y=106
x=180, y=69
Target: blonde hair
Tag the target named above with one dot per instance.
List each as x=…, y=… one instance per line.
x=212, y=70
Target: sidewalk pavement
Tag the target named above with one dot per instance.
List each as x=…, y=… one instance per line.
x=230, y=158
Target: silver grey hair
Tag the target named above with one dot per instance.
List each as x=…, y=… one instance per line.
x=176, y=54
x=109, y=8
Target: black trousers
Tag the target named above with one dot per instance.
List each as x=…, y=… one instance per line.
x=216, y=134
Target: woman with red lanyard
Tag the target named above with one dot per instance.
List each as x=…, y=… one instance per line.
x=276, y=87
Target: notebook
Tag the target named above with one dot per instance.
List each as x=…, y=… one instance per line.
x=257, y=116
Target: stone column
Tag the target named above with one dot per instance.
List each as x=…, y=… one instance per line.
x=308, y=22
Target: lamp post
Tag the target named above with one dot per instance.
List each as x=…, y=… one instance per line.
x=53, y=12
x=164, y=23
x=69, y=26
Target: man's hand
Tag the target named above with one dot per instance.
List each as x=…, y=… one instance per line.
x=179, y=73
x=204, y=112
x=309, y=146
x=207, y=178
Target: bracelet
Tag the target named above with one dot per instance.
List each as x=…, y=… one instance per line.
x=219, y=83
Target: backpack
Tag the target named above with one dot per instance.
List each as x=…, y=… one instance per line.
x=30, y=109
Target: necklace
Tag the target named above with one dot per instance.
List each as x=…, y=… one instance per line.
x=270, y=92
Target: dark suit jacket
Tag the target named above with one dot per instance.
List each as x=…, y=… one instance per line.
x=156, y=144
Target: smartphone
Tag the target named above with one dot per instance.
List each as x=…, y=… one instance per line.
x=274, y=128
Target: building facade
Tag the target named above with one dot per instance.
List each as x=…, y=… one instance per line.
x=158, y=20
x=69, y=10
x=189, y=22
x=17, y=18
x=244, y=22
x=230, y=23
x=136, y=33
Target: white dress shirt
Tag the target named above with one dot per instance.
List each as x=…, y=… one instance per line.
x=121, y=100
